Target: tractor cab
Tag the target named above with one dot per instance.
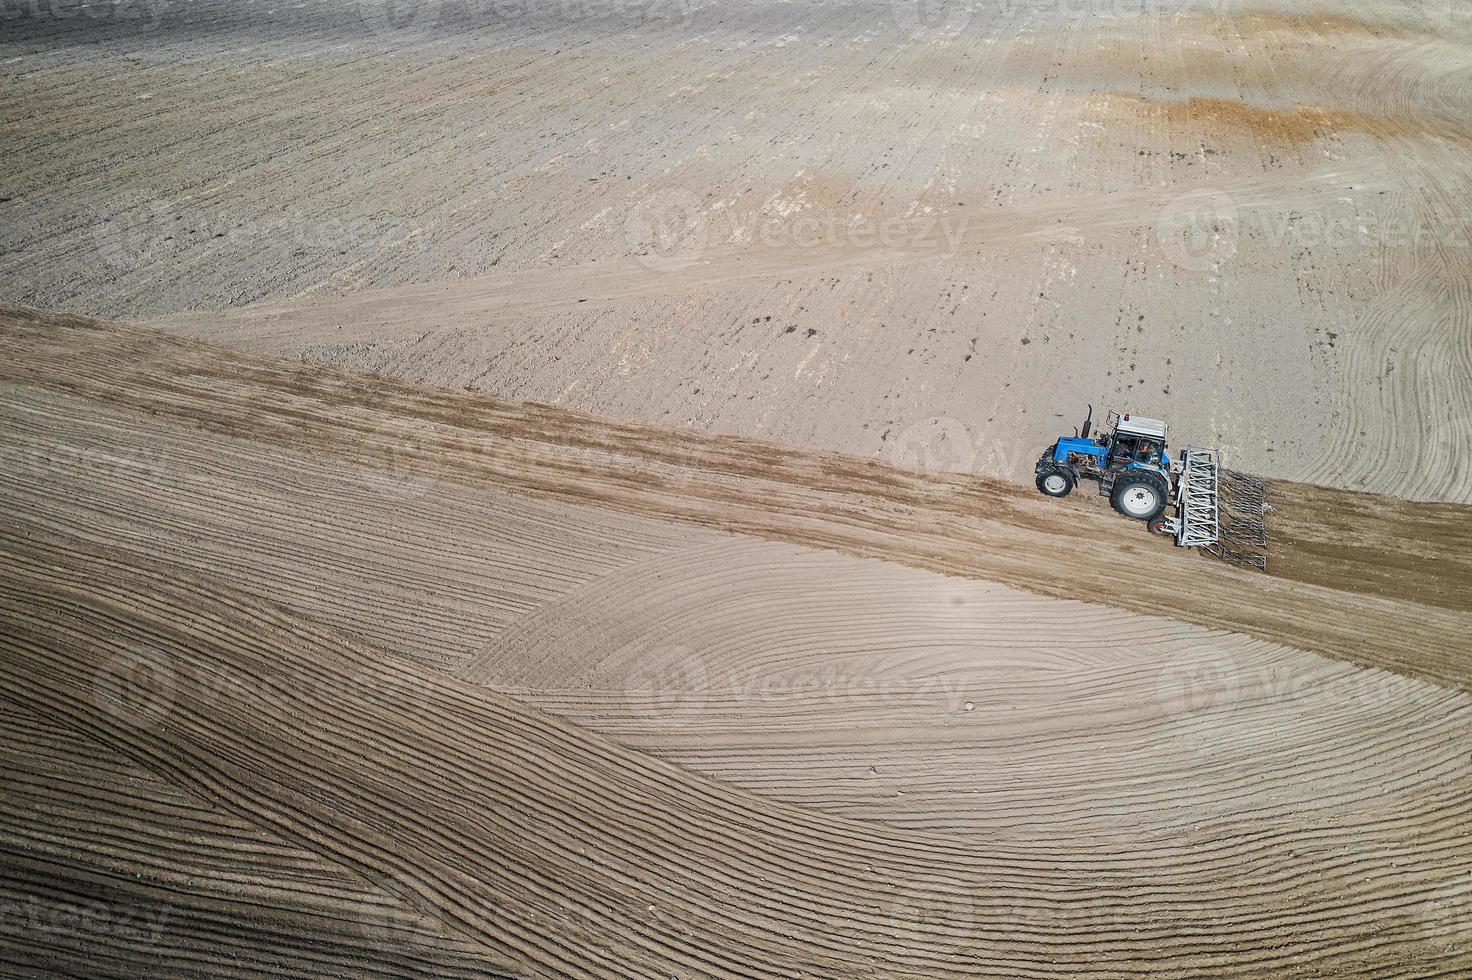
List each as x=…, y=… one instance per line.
x=1137, y=440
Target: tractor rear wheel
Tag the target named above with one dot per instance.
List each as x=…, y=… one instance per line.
x=1140, y=495
x=1055, y=481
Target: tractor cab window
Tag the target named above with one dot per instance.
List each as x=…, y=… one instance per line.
x=1124, y=449
x=1133, y=448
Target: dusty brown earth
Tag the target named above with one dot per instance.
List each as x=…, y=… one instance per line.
x=883, y=227
x=438, y=683
x=561, y=507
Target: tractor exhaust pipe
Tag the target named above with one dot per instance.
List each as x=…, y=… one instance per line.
x=1083, y=433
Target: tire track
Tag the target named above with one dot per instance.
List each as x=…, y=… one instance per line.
x=1298, y=816
x=781, y=669
x=512, y=810
x=944, y=523
x=252, y=519
x=107, y=871
x=887, y=695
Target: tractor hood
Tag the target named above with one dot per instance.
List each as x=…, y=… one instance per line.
x=1073, y=444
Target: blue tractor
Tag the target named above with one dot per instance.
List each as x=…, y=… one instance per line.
x=1130, y=462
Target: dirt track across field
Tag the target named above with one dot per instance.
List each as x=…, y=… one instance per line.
x=492, y=686
x=1341, y=606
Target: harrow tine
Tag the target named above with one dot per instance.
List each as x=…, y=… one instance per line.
x=1242, y=559
x=1243, y=500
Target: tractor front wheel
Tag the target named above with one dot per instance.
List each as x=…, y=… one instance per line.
x=1055, y=481
x=1141, y=496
